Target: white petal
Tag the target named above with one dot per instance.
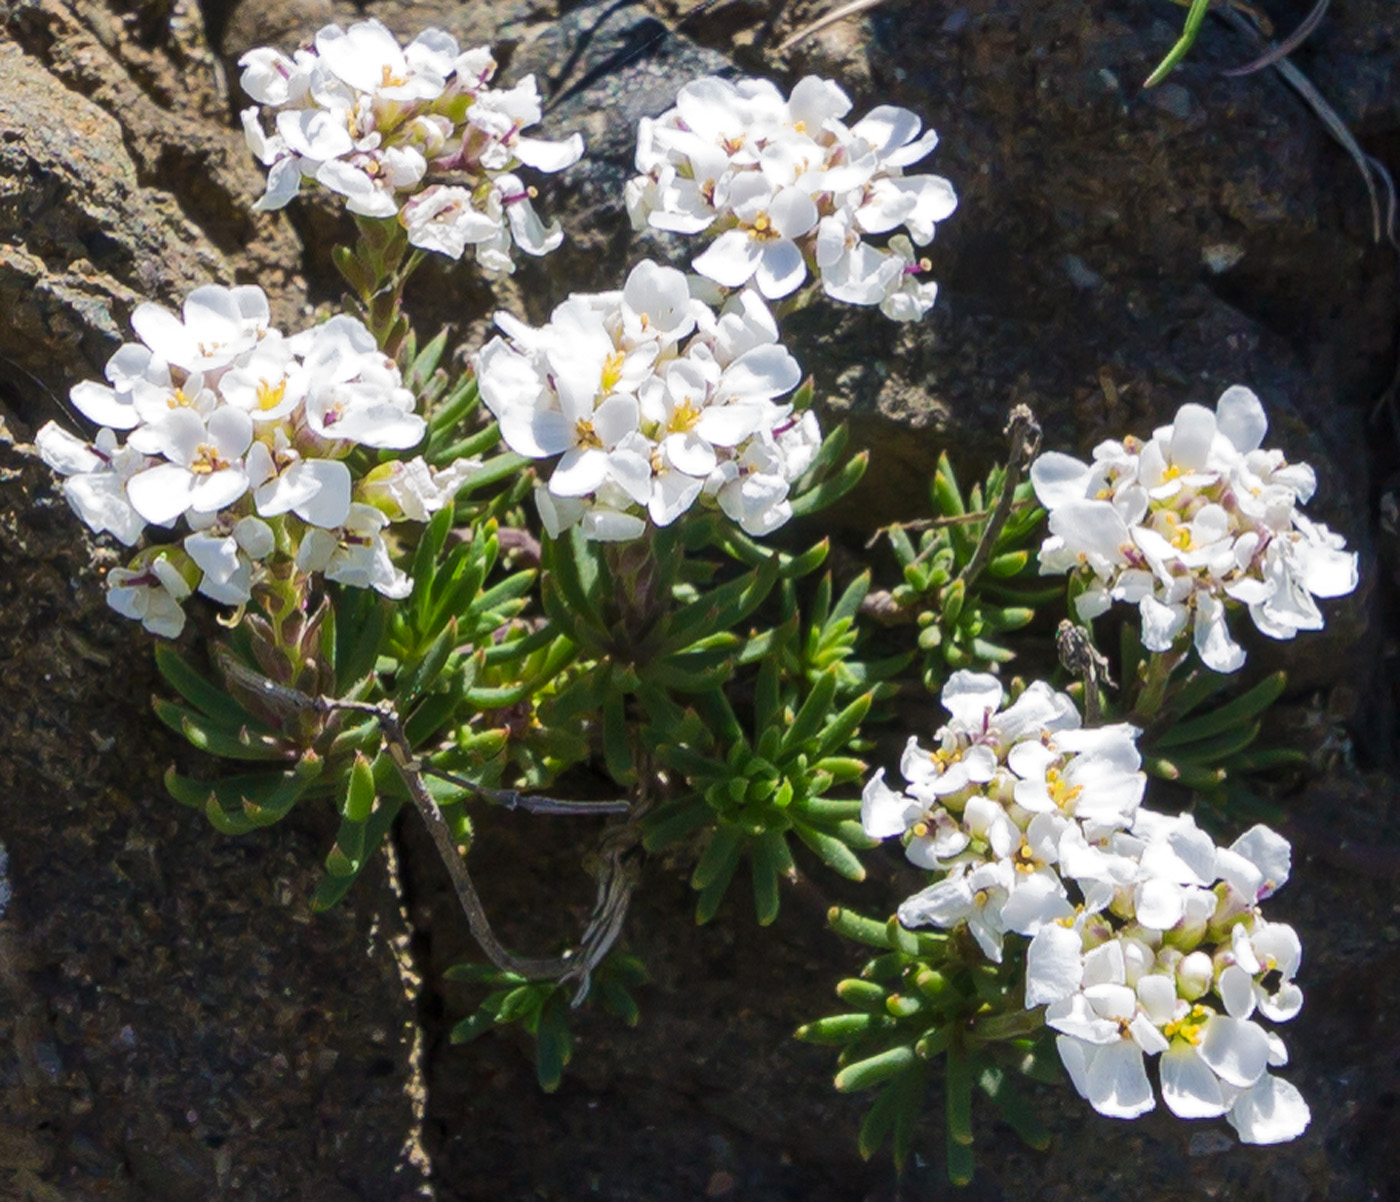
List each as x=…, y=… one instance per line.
x=1054, y=965
x=1117, y=1082
x=1235, y=1048
x=1240, y=417
x=1189, y=1088
x=1272, y=1112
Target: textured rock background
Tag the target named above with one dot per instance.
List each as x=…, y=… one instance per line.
x=176, y=1025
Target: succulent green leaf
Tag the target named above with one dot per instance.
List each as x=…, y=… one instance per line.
x=831, y=490
x=811, y=717
x=958, y=1086
x=875, y=1070
x=835, y=854
x=858, y=928
x=1241, y=710
x=201, y=733
x=554, y=1046
x=841, y=1029
x=720, y=856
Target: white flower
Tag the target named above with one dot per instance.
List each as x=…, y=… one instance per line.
x=1189, y=525
x=410, y=489
x=226, y=557
x=151, y=590
x=653, y=402
x=95, y=479
x=204, y=468
x=408, y=132
x=218, y=325
x=788, y=188
x=355, y=554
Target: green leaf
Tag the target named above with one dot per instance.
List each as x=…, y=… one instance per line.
x=811, y=717
x=425, y=362
x=617, y=751
x=554, y=1047
x=875, y=1070
x=947, y=498
x=842, y=728
x=359, y=790
x=675, y=822
x=722, y=608
x=828, y=456
x=858, y=928
x=426, y=560
x=1198, y=689
x=962, y=1165
x=831, y=490
x=958, y=1086
x=201, y=693
x=841, y=1029
x=1193, y=776
x=1209, y=751
x=331, y=888
x=418, y=678
x=1014, y=1108
x=1264, y=760
x=202, y=734
x=486, y=439
x=911, y=1086
x=1195, y=17
x=707, y=904
x=1011, y=563
x=563, y=568
x=879, y=1120
x=832, y=852
x=720, y=856
x=823, y=811
x=1234, y=713
x=769, y=859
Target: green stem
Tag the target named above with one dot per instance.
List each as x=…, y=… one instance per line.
x=1151, y=696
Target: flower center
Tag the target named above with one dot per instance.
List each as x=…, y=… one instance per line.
x=1188, y=1027
x=684, y=416
x=207, y=460
x=612, y=370
x=269, y=395
x=1062, y=793
x=586, y=436
x=178, y=400
x=387, y=78
x=762, y=229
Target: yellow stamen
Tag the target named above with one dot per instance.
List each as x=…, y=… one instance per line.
x=762, y=229
x=684, y=417
x=269, y=395
x=1189, y=1027
x=207, y=460
x=587, y=436
x=612, y=370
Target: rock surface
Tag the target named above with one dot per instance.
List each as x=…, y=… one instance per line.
x=179, y=1026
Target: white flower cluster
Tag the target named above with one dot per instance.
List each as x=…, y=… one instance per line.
x=243, y=433
x=1145, y=937
x=655, y=402
x=412, y=132
x=1195, y=518
x=790, y=188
